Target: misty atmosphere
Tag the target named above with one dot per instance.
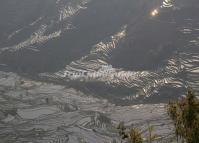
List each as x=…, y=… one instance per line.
x=72, y=70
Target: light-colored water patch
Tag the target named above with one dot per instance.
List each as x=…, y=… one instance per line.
x=36, y=112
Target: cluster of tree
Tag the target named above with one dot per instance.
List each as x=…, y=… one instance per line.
x=185, y=116
x=134, y=135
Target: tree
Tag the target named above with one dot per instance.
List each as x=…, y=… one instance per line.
x=185, y=115
x=151, y=136
x=135, y=136
x=132, y=136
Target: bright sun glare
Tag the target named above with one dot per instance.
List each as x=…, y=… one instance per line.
x=154, y=12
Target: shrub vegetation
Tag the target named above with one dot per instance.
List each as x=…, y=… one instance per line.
x=185, y=115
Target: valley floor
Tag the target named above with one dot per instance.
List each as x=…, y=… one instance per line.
x=38, y=112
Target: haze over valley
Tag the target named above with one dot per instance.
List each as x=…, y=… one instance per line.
x=69, y=68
